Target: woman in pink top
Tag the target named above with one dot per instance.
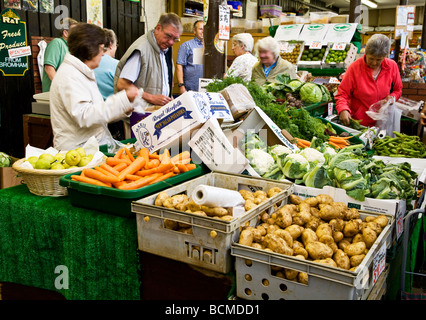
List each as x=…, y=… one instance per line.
x=368, y=80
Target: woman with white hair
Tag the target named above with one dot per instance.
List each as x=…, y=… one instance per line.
x=271, y=64
x=370, y=79
x=242, y=66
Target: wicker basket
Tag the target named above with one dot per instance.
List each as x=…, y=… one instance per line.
x=43, y=182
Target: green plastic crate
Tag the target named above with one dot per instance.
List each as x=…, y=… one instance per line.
x=116, y=201
x=339, y=130
x=319, y=109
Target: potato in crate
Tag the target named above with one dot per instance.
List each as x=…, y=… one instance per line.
x=172, y=225
x=312, y=249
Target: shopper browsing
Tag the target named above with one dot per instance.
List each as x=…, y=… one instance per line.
x=370, y=79
x=242, y=66
x=188, y=73
x=77, y=108
x=147, y=63
x=55, y=53
x=271, y=64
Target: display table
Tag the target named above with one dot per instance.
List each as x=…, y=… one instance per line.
x=38, y=234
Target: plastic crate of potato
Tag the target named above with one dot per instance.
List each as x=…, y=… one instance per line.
x=320, y=249
x=170, y=224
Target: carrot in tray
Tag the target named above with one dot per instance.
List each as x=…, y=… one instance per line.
x=163, y=177
x=114, y=161
x=144, y=153
x=180, y=156
x=191, y=166
x=119, y=153
x=154, y=155
x=89, y=180
x=153, y=163
x=110, y=169
x=140, y=183
x=94, y=174
x=105, y=172
x=182, y=168
x=135, y=166
x=120, y=167
x=129, y=154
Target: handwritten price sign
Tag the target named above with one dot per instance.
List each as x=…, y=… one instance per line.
x=316, y=45
x=339, y=46
x=379, y=262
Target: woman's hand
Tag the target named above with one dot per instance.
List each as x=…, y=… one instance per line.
x=132, y=92
x=345, y=117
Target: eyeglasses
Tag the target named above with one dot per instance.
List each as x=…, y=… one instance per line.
x=170, y=36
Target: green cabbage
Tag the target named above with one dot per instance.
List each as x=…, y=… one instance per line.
x=310, y=93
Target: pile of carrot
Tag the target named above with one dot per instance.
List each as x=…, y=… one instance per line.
x=302, y=143
x=127, y=172
x=339, y=142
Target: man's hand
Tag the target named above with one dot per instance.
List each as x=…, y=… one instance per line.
x=182, y=90
x=157, y=100
x=345, y=117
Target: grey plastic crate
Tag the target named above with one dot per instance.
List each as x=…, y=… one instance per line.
x=200, y=248
x=255, y=279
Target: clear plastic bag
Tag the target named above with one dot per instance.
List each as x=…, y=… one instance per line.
x=386, y=115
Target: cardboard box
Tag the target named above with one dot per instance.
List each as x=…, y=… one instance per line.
x=219, y=150
x=9, y=178
x=214, y=149
x=179, y=117
x=239, y=99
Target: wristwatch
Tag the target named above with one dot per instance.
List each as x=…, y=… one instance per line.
x=181, y=85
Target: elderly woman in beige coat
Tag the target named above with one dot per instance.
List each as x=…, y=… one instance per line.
x=77, y=108
x=271, y=64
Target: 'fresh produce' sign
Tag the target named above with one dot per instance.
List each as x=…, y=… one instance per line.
x=14, y=49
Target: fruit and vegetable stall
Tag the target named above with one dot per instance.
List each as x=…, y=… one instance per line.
x=258, y=192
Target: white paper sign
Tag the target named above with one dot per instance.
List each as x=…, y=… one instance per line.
x=340, y=32
x=224, y=23
x=379, y=262
x=288, y=32
x=314, y=32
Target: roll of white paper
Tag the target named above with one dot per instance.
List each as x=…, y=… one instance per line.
x=210, y=196
x=382, y=134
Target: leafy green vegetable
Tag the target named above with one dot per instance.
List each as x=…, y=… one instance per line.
x=4, y=160
x=310, y=93
x=317, y=178
x=295, y=166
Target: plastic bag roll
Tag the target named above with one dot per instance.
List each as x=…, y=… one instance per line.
x=205, y=195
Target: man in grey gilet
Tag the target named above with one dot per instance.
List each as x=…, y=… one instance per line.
x=148, y=64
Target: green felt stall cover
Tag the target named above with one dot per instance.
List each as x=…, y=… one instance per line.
x=44, y=238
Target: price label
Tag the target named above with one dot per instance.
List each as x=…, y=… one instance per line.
x=379, y=262
x=224, y=23
x=334, y=80
x=330, y=108
x=400, y=219
x=339, y=46
x=316, y=45
x=284, y=47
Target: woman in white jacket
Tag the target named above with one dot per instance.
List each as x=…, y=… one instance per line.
x=77, y=108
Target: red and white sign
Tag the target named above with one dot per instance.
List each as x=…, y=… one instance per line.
x=379, y=263
x=316, y=45
x=20, y=52
x=339, y=46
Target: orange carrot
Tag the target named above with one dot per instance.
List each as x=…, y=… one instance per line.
x=129, y=154
x=191, y=166
x=113, y=161
x=152, y=164
x=180, y=156
x=144, y=153
x=182, y=167
x=163, y=177
x=119, y=153
x=139, y=183
x=118, y=184
x=175, y=169
x=154, y=155
x=89, y=180
x=183, y=161
x=110, y=169
x=94, y=174
x=335, y=145
x=166, y=156
x=120, y=166
x=146, y=172
x=105, y=172
x=132, y=177
x=135, y=166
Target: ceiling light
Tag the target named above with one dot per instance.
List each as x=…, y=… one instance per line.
x=369, y=3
